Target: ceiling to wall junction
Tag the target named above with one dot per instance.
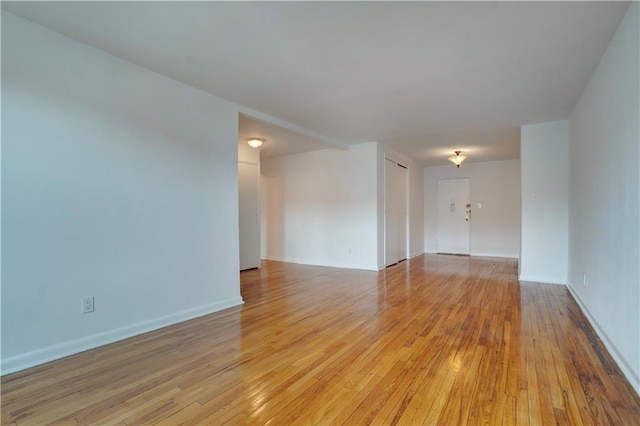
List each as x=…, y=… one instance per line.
x=424, y=78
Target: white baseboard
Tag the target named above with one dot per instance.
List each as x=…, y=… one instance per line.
x=420, y=253
x=628, y=372
x=325, y=264
x=499, y=255
x=542, y=279
x=477, y=254
x=40, y=356
x=381, y=267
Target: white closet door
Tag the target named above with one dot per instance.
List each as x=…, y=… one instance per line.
x=395, y=204
x=249, y=216
x=391, y=213
x=401, y=188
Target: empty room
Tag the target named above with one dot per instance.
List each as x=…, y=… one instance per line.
x=320, y=213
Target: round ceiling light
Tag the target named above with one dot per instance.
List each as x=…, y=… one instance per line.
x=458, y=158
x=255, y=142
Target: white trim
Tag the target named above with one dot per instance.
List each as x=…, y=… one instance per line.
x=416, y=254
x=40, y=356
x=260, y=116
x=500, y=255
x=542, y=279
x=633, y=378
x=324, y=264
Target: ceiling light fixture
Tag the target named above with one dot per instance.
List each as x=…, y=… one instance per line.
x=255, y=142
x=458, y=158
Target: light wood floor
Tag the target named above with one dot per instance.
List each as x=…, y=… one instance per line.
x=439, y=339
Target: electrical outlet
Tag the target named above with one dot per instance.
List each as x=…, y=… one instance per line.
x=87, y=305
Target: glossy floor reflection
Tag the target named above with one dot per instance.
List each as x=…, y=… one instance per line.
x=438, y=339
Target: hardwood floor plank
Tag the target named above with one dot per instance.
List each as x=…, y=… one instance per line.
x=434, y=340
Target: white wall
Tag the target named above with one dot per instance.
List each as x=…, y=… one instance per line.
x=416, y=202
x=494, y=228
x=416, y=209
x=319, y=208
x=117, y=183
x=545, y=209
x=249, y=206
x=247, y=154
x=604, y=192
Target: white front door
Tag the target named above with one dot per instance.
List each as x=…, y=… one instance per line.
x=454, y=216
x=249, y=216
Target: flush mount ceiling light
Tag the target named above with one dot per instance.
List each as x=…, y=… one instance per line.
x=255, y=142
x=458, y=158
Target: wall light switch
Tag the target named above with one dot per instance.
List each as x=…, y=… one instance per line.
x=479, y=205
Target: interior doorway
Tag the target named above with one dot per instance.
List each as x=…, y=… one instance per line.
x=454, y=216
x=395, y=208
x=249, y=215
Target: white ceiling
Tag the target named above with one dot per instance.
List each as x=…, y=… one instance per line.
x=422, y=77
x=278, y=140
